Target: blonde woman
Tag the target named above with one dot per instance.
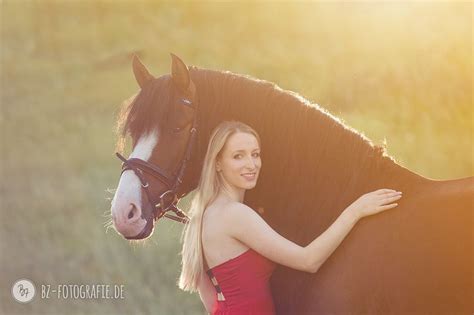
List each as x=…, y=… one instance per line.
x=229, y=252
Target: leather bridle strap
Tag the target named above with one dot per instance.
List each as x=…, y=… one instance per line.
x=139, y=166
x=158, y=205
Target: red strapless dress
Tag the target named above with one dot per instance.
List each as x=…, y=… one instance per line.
x=244, y=284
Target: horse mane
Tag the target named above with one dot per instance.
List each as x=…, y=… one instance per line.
x=313, y=165
x=311, y=159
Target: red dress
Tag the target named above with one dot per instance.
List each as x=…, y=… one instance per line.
x=244, y=284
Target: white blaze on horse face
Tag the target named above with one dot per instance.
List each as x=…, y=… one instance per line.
x=129, y=188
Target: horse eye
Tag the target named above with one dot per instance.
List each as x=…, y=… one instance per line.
x=177, y=129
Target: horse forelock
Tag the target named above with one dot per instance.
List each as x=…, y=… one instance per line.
x=145, y=111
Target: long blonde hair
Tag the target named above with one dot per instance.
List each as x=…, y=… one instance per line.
x=208, y=188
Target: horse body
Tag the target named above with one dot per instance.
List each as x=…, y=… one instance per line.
x=416, y=258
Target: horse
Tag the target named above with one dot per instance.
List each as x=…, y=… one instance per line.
x=414, y=259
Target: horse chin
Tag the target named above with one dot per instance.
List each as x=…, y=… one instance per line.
x=146, y=232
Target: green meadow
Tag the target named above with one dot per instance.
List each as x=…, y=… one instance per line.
x=401, y=73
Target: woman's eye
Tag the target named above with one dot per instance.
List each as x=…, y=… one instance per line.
x=240, y=155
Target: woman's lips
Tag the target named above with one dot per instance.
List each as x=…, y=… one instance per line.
x=250, y=176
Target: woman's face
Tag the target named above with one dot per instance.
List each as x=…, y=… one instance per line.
x=240, y=161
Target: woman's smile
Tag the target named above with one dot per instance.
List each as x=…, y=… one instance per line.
x=250, y=176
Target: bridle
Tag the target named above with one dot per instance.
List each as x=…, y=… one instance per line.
x=169, y=199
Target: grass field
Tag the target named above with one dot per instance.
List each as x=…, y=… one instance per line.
x=399, y=73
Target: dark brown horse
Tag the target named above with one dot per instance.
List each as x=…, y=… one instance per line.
x=415, y=259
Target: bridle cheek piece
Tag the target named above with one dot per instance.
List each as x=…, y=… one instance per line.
x=168, y=201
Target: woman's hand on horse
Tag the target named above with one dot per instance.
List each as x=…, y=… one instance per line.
x=375, y=202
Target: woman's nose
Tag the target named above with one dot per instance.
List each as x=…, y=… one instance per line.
x=251, y=163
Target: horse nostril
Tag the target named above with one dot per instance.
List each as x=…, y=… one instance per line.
x=132, y=211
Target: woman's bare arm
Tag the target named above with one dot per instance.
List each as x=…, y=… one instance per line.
x=323, y=246
x=246, y=226
x=207, y=292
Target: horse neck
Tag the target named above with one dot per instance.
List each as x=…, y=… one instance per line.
x=402, y=178
x=309, y=156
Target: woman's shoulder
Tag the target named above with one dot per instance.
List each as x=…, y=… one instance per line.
x=221, y=206
x=224, y=210
x=216, y=239
x=219, y=217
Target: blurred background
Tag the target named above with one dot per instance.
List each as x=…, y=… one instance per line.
x=401, y=73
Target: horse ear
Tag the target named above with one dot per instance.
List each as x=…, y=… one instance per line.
x=141, y=73
x=179, y=73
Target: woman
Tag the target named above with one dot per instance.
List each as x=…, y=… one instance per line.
x=229, y=251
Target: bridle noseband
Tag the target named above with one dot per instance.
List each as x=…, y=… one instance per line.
x=169, y=199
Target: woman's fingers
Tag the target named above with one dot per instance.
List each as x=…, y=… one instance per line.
x=385, y=191
x=390, y=199
x=390, y=206
x=392, y=192
x=388, y=195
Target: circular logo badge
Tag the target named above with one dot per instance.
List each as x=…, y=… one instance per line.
x=23, y=291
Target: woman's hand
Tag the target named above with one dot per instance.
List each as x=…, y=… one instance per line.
x=375, y=202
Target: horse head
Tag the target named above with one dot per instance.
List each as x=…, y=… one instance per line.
x=162, y=123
